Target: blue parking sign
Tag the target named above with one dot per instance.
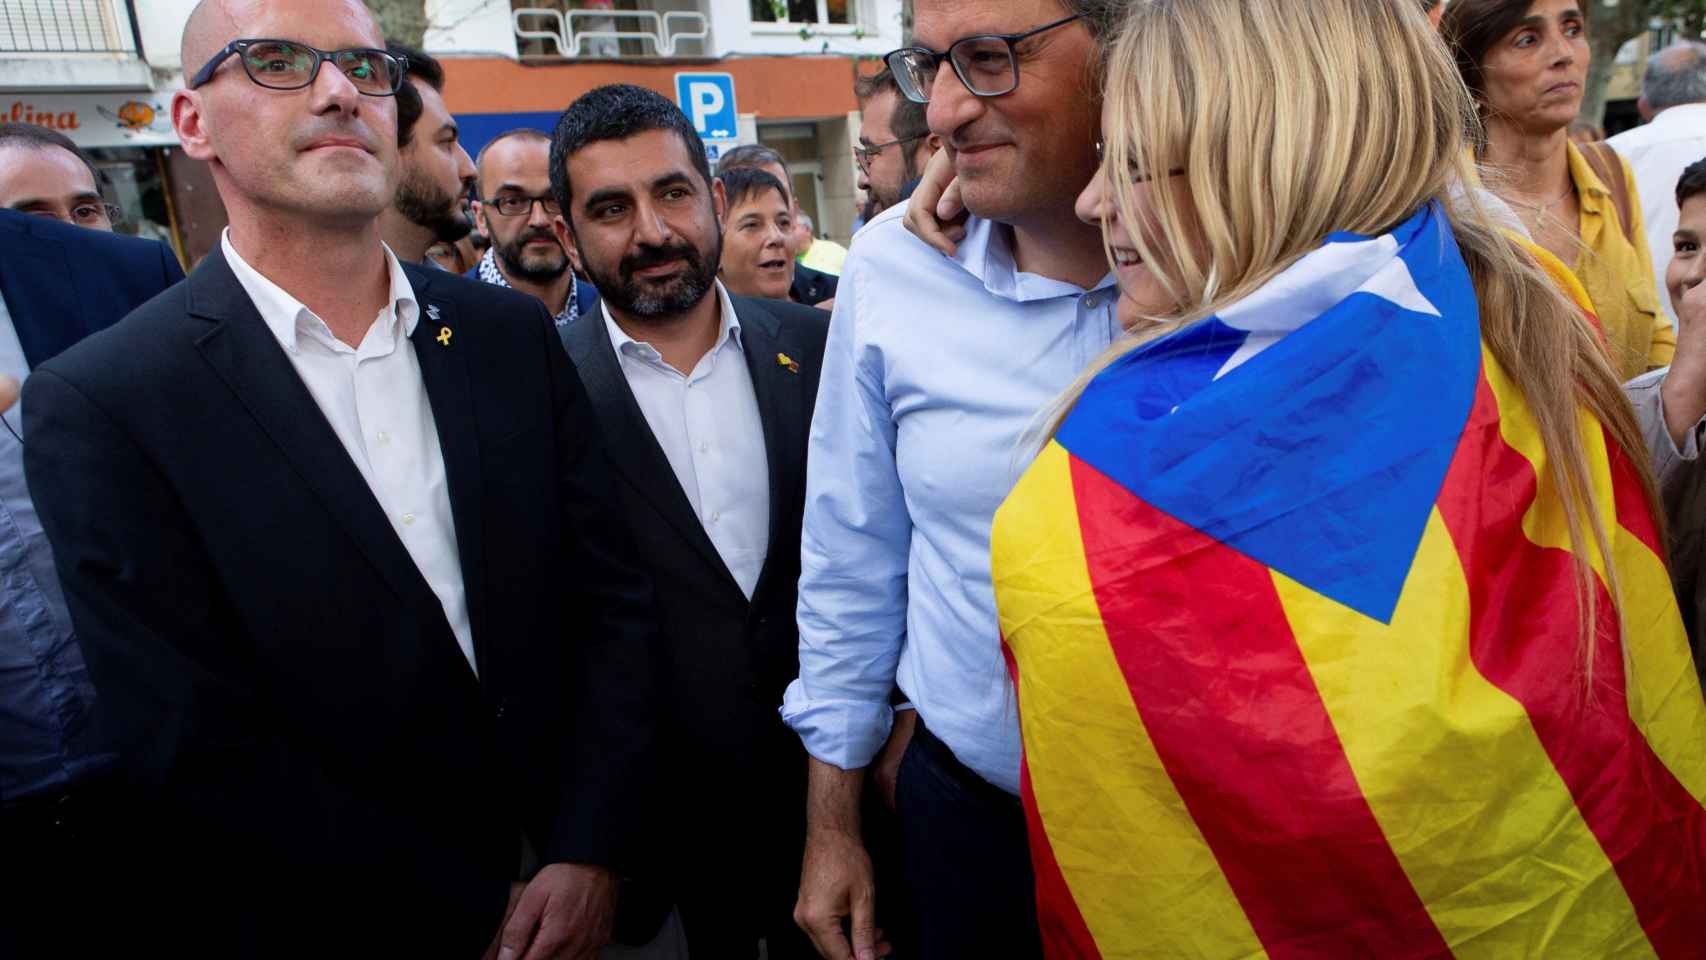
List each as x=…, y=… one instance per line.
x=708, y=99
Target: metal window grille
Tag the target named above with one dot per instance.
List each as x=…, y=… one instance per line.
x=68, y=26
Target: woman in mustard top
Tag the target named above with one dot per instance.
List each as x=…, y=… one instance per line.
x=1526, y=62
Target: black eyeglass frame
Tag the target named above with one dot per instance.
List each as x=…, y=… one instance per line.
x=1012, y=40
x=399, y=66
x=863, y=155
x=495, y=202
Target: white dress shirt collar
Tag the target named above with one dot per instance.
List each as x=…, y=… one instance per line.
x=287, y=317
x=625, y=345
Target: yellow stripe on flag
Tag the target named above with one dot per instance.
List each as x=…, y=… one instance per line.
x=1143, y=877
x=1487, y=832
x=1665, y=699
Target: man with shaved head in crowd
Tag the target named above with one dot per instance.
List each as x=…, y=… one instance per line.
x=339, y=546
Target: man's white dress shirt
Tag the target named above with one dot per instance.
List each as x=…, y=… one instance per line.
x=1658, y=152
x=706, y=421
x=377, y=404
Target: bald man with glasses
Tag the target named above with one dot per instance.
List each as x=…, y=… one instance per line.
x=337, y=536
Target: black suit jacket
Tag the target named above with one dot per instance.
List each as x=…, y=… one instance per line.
x=62, y=283
x=318, y=766
x=730, y=821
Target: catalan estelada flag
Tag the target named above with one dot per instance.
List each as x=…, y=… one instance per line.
x=1292, y=618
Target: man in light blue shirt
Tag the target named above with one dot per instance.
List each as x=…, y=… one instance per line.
x=935, y=367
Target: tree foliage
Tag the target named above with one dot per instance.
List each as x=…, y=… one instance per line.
x=402, y=20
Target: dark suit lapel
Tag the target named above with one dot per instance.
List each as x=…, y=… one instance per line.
x=633, y=448
x=444, y=369
x=42, y=295
x=777, y=387
x=244, y=352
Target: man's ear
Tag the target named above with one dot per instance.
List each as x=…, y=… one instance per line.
x=719, y=203
x=189, y=119
x=1645, y=109
x=566, y=237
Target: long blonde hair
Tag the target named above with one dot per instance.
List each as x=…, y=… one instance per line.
x=1292, y=120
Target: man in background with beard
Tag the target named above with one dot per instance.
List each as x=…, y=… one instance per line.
x=705, y=401
x=434, y=173
x=515, y=213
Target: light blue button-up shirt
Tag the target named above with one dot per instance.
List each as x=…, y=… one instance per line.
x=934, y=370
x=47, y=741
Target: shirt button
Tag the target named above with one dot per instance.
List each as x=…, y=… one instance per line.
x=716, y=516
x=384, y=439
x=704, y=446
x=408, y=519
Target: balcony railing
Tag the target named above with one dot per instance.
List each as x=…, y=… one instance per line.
x=607, y=33
x=69, y=26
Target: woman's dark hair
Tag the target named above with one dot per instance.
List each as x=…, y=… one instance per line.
x=743, y=182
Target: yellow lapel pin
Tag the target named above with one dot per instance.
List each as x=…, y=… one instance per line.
x=784, y=360
x=444, y=336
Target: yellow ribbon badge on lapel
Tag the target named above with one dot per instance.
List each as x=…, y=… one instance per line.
x=784, y=360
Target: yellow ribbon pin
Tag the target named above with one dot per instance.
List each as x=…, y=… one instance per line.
x=784, y=360
x=444, y=336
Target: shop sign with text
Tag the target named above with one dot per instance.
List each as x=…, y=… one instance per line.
x=97, y=119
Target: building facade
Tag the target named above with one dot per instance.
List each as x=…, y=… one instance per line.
x=103, y=72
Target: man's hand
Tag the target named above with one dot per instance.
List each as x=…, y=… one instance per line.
x=835, y=880
x=887, y=768
x=8, y=393
x=565, y=914
x=1684, y=390
x=836, y=885
x=935, y=213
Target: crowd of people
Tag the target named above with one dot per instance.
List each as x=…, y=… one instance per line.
x=1207, y=511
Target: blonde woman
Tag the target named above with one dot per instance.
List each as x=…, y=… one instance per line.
x=1335, y=598
x=1526, y=63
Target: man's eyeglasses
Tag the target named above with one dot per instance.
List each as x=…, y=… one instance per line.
x=985, y=64
x=288, y=65
x=516, y=205
x=1137, y=176
x=864, y=155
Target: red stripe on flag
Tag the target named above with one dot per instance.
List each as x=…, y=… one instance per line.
x=1524, y=640
x=1632, y=512
x=1233, y=711
x=1065, y=935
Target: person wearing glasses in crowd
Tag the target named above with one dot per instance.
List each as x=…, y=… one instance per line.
x=515, y=212
x=895, y=142
x=43, y=173
x=435, y=175
x=340, y=543
x=912, y=450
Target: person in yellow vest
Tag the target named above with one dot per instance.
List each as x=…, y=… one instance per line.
x=1526, y=62
x=819, y=253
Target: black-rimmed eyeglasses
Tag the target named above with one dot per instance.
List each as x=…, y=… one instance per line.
x=288, y=65
x=863, y=155
x=515, y=205
x=985, y=64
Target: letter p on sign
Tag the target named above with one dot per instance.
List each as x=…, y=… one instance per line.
x=708, y=99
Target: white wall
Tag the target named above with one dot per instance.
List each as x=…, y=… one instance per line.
x=162, y=23
x=732, y=31
x=470, y=27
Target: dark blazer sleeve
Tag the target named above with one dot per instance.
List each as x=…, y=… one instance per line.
x=170, y=270
x=614, y=693
x=143, y=595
